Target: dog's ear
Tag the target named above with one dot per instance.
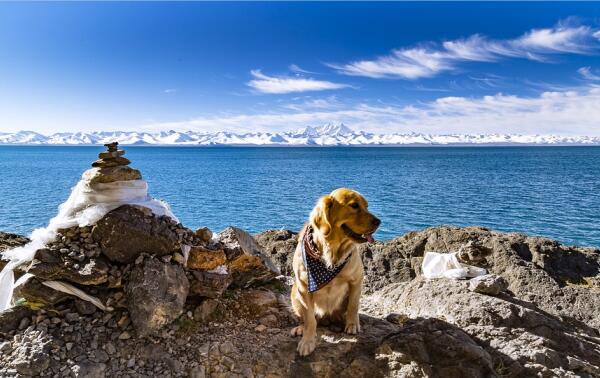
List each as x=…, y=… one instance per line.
x=320, y=215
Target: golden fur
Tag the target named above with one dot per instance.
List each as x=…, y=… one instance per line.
x=338, y=221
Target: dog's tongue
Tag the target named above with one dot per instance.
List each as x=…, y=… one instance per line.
x=370, y=238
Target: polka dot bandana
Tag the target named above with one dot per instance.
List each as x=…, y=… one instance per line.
x=319, y=274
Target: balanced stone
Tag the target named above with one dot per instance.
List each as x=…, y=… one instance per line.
x=111, y=158
x=111, y=162
x=112, y=147
x=111, y=154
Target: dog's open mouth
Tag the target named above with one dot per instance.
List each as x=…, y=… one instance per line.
x=361, y=238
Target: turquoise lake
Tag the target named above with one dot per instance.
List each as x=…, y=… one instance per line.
x=548, y=191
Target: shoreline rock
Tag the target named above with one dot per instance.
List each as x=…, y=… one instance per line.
x=536, y=314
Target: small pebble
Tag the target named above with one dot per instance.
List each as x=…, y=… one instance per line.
x=124, y=336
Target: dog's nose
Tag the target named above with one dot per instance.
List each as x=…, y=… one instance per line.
x=376, y=221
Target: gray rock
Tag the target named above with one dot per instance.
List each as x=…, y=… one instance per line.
x=197, y=372
x=279, y=245
x=488, y=284
x=10, y=241
x=434, y=348
x=128, y=231
x=11, y=318
x=156, y=293
x=37, y=294
x=247, y=262
x=525, y=339
x=30, y=357
x=85, y=307
x=5, y=347
x=205, y=311
x=89, y=369
x=210, y=285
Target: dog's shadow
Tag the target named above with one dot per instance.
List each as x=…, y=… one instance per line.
x=423, y=346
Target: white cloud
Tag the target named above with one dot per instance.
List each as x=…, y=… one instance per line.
x=430, y=60
x=574, y=112
x=279, y=85
x=170, y=90
x=587, y=73
x=298, y=69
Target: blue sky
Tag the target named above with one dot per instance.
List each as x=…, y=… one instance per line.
x=383, y=67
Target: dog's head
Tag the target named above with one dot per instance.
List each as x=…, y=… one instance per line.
x=342, y=217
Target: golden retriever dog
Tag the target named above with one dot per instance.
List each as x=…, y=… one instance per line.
x=327, y=266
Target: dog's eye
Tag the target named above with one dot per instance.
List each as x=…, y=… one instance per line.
x=354, y=205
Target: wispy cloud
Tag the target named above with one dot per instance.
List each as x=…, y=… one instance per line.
x=298, y=69
x=575, y=112
x=428, y=60
x=283, y=84
x=170, y=90
x=587, y=73
x=301, y=104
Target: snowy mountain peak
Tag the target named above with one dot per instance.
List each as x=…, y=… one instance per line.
x=326, y=135
x=333, y=129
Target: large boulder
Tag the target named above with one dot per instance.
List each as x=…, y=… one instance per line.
x=523, y=338
x=562, y=280
x=246, y=260
x=128, y=231
x=50, y=264
x=434, y=348
x=156, y=292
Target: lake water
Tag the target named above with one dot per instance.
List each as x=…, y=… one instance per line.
x=549, y=191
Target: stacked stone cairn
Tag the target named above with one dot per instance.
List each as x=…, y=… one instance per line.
x=141, y=266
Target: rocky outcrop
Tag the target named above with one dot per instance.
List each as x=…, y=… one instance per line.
x=9, y=241
x=535, y=314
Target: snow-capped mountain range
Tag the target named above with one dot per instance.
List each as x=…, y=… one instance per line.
x=327, y=135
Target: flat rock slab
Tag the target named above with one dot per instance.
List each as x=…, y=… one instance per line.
x=156, y=294
x=50, y=265
x=112, y=174
x=202, y=258
x=128, y=231
x=247, y=261
x=38, y=294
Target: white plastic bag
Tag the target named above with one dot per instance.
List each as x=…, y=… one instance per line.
x=446, y=265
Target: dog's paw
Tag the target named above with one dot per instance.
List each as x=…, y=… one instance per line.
x=297, y=331
x=307, y=345
x=352, y=327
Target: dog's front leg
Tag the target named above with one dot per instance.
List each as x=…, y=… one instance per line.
x=309, y=332
x=352, y=320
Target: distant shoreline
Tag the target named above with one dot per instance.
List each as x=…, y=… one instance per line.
x=411, y=145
